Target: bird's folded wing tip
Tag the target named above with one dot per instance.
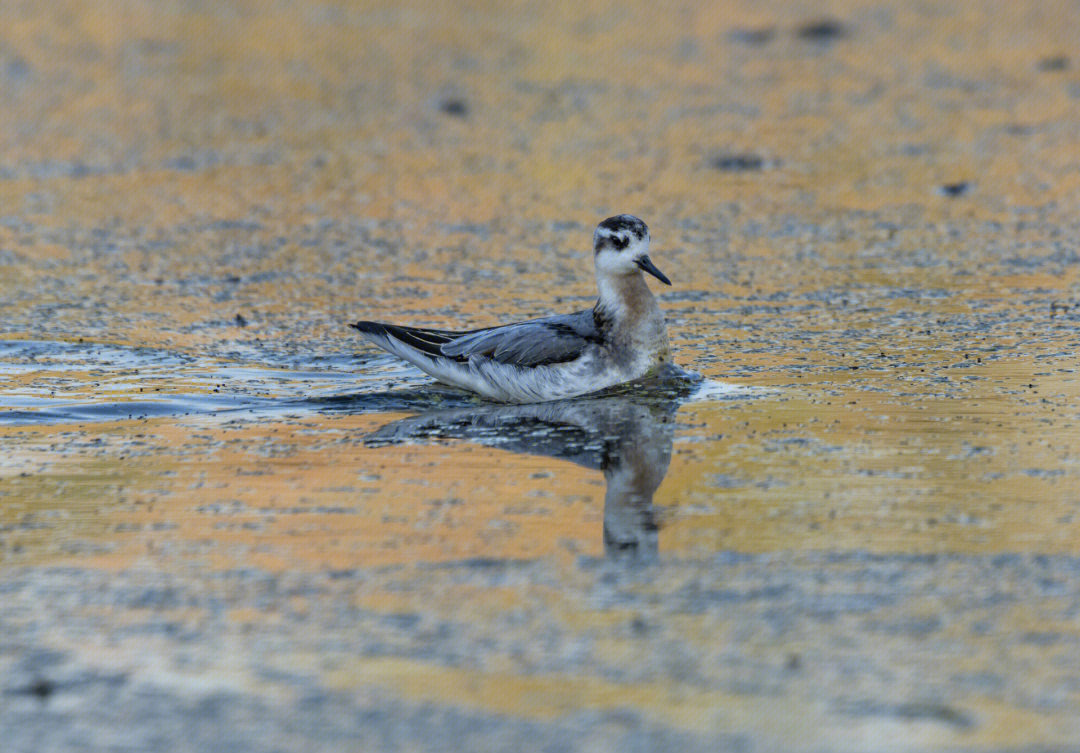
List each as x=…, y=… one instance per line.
x=363, y=326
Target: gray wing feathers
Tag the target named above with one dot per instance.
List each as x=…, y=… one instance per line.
x=553, y=339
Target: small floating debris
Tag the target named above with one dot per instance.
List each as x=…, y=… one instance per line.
x=824, y=31
x=454, y=107
x=741, y=162
x=952, y=190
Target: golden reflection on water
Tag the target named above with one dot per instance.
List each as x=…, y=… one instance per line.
x=289, y=495
x=792, y=469
x=166, y=168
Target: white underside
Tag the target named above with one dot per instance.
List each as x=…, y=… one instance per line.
x=508, y=383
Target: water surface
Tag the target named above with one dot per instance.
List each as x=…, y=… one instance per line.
x=226, y=522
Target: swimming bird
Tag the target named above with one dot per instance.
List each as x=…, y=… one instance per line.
x=620, y=339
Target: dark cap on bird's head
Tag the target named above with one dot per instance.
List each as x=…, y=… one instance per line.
x=619, y=232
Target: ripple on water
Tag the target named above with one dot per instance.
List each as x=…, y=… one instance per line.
x=45, y=383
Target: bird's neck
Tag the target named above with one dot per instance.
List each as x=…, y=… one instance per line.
x=629, y=319
x=625, y=300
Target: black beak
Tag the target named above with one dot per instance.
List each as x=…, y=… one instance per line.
x=647, y=266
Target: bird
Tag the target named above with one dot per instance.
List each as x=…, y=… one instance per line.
x=622, y=338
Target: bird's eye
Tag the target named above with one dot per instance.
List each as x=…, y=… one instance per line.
x=620, y=242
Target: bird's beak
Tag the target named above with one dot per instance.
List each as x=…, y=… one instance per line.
x=647, y=266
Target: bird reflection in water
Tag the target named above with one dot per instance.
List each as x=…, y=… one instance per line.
x=626, y=433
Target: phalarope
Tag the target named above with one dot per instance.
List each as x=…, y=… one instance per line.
x=620, y=339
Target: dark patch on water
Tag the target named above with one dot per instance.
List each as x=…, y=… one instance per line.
x=953, y=190
x=454, y=107
x=1053, y=64
x=41, y=688
x=738, y=162
x=823, y=31
x=490, y=564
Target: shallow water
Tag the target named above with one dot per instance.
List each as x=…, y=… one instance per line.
x=850, y=524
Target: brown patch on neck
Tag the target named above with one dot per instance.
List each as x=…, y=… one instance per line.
x=634, y=295
x=627, y=309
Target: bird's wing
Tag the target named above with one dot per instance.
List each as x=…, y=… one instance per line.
x=553, y=339
x=427, y=341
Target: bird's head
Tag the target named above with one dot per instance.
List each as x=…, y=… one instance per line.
x=621, y=248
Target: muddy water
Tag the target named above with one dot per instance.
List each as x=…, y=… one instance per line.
x=850, y=524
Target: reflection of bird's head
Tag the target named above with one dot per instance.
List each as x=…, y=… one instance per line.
x=627, y=435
